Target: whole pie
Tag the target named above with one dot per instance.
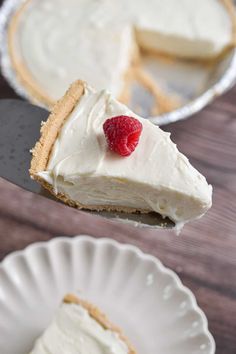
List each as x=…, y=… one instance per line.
x=54, y=42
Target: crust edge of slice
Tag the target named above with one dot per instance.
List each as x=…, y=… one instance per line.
x=100, y=317
x=37, y=95
x=51, y=128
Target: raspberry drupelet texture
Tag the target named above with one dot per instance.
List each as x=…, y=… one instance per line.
x=122, y=134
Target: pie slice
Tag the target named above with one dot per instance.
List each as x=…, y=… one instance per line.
x=80, y=327
x=73, y=161
x=52, y=45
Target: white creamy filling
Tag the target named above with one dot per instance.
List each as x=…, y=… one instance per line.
x=74, y=331
x=62, y=51
x=61, y=41
x=155, y=177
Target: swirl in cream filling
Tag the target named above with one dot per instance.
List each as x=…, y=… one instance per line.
x=155, y=177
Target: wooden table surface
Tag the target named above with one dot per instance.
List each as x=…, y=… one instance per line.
x=204, y=255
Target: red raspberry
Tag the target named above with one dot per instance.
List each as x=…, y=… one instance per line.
x=122, y=134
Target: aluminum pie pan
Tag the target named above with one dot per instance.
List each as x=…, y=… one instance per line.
x=179, y=78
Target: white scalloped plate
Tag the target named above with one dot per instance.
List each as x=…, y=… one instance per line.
x=147, y=300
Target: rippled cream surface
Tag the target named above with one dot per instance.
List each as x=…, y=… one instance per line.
x=155, y=177
x=74, y=331
x=61, y=41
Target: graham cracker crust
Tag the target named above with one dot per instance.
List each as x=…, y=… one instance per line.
x=99, y=317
